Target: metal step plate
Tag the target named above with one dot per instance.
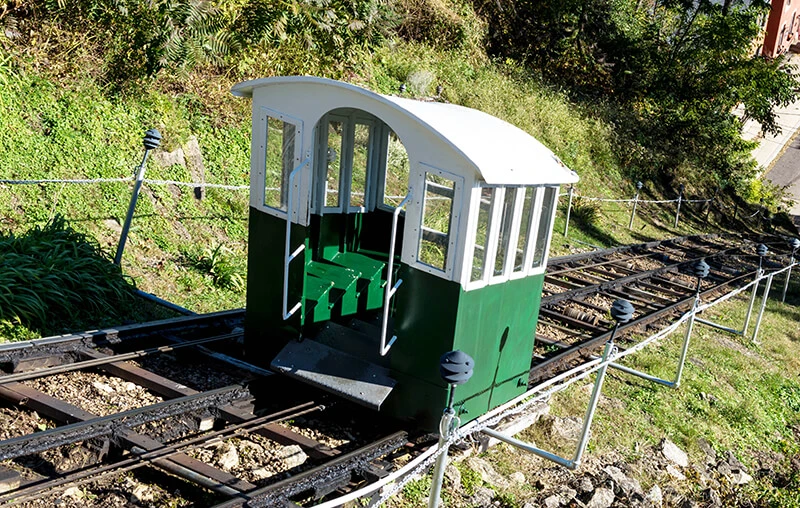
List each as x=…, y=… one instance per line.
x=329, y=369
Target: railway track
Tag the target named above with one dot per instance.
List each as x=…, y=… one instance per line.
x=206, y=400
x=578, y=290
x=201, y=395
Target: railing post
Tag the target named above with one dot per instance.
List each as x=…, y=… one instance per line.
x=152, y=138
x=700, y=270
x=639, y=186
x=569, y=208
x=763, y=307
x=678, y=209
x=455, y=368
x=794, y=243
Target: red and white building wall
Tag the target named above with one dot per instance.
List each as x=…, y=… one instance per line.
x=783, y=25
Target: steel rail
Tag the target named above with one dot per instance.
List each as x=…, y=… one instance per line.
x=115, y=335
x=321, y=477
x=83, y=364
x=141, y=458
x=113, y=424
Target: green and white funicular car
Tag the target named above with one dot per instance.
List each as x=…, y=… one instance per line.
x=386, y=231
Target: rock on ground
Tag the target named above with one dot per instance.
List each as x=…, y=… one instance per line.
x=602, y=498
x=674, y=454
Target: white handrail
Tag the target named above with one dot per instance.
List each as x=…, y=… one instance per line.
x=390, y=289
x=288, y=257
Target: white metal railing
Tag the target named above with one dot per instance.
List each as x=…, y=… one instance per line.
x=391, y=289
x=288, y=257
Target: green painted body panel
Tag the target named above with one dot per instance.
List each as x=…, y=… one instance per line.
x=495, y=325
x=265, y=330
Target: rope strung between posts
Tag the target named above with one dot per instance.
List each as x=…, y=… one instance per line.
x=56, y=180
x=536, y=394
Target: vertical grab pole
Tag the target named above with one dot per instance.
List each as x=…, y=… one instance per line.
x=152, y=138
x=639, y=186
x=678, y=209
x=569, y=209
x=455, y=368
x=390, y=288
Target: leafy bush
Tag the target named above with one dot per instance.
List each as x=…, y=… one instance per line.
x=52, y=277
x=220, y=265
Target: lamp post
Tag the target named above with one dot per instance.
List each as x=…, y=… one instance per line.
x=455, y=368
x=152, y=139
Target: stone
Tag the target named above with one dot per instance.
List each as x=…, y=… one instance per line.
x=567, y=495
x=113, y=225
x=627, y=485
x=130, y=386
x=708, y=450
x=261, y=473
x=487, y=472
x=292, y=456
x=654, y=496
x=674, y=454
x=553, y=501
x=675, y=472
x=452, y=478
x=732, y=461
x=167, y=159
x=712, y=496
x=602, y=498
x=226, y=456
x=142, y=493
x=518, y=477
x=702, y=477
x=724, y=469
x=740, y=478
x=196, y=166
x=585, y=485
x=73, y=492
x=482, y=497
x=102, y=388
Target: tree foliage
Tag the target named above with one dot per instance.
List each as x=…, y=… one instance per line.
x=674, y=69
x=142, y=37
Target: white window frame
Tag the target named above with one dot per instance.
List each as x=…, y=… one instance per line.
x=380, y=183
x=472, y=231
x=345, y=160
x=494, y=242
x=493, y=235
x=455, y=223
x=371, y=170
x=516, y=227
x=546, y=255
x=300, y=189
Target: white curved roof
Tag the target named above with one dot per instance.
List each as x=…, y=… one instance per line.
x=500, y=153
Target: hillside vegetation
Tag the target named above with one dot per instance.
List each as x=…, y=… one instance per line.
x=82, y=79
